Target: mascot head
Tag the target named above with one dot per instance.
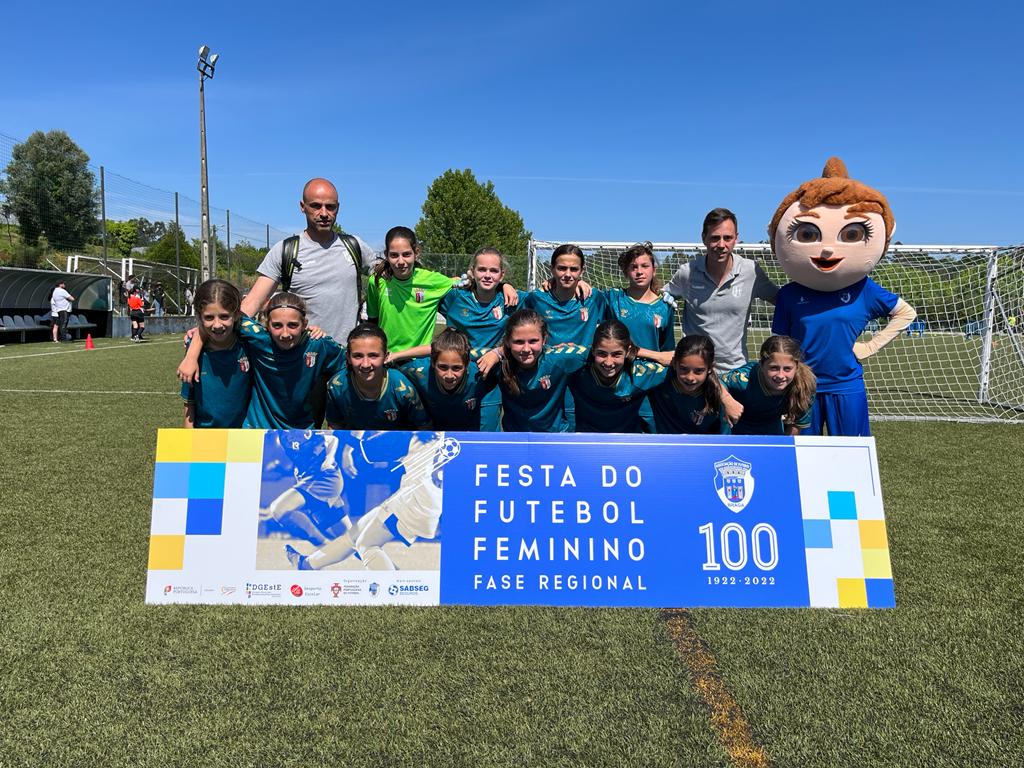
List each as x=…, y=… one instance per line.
x=830, y=232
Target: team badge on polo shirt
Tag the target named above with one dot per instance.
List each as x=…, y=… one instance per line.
x=845, y=297
x=243, y=364
x=391, y=415
x=310, y=359
x=584, y=314
x=657, y=321
x=497, y=313
x=545, y=382
x=471, y=404
x=419, y=295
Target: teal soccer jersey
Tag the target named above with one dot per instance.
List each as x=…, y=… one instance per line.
x=221, y=396
x=651, y=326
x=458, y=410
x=540, y=404
x=283, y=379
x=569, y=322
x=762, y=411
x=484, y=324
x=676, y=413
x=396, y=407
x=615, y=407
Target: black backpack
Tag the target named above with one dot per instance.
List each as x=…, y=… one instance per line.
x=290, y=261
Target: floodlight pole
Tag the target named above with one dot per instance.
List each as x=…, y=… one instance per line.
x=205, y=68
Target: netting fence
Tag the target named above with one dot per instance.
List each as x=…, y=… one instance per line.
x=127, y=227
x=962, y=359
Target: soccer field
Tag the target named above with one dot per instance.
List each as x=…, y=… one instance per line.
x=92, y=676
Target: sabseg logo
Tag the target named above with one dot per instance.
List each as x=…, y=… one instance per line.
x=734, y=482
x=407, y=589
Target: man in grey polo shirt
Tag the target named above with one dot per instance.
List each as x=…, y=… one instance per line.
x=717, y=290
x=325, y=275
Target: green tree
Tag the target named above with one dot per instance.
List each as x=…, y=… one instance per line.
x=50, y=189
x=461, y=215
x=122, y=235
x=162, y=251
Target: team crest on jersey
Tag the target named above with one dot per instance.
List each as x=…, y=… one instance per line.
x=471, y=404
x=623, y=312
x=465, y=312
x=803, y=300
x=243, y=364
x=391, y=415
x=657, y=321
x=310, y=359
x=845, y=297
x=419, y=295
x=545, y=382
x=584, y=314
x=498, y=313
x=697, y=417
x=734, y=483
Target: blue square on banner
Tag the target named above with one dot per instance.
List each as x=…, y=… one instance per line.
x=842, y=505
x=881, y=593
x=170, y=480
x=206, y=481
x=817, y=534
x=203, y=517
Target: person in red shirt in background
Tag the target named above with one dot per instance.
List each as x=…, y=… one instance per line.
x=137, y=311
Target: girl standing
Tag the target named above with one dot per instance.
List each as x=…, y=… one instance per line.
x=689, y=400
x=777, y=391
x=220, y=396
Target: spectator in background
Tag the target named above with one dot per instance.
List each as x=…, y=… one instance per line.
x=158, y=300
x=190, y=297
x=60, y=305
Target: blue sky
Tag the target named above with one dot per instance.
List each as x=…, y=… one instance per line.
x=595, y=120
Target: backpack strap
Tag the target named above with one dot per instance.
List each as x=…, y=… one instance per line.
x=355, y=253
x=289, y=257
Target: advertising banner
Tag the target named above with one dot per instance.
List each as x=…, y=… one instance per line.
x=298, y=517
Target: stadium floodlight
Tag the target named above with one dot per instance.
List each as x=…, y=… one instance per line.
x=206, y=65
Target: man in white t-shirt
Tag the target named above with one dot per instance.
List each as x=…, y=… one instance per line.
x=60, y=305
x=325, y=274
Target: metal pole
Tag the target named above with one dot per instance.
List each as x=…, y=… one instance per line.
x=268, y=237
x=177, y=249
x=990, y=316
x=213, y=251
x=103, y=218
x=205, y=261
x=229, y=244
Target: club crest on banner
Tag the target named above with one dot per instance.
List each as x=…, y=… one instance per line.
x=734, y=483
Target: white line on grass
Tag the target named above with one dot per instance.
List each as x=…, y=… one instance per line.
x=129, y=345
x=84, y=392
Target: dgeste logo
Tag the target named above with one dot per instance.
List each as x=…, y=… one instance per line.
x=262, y=589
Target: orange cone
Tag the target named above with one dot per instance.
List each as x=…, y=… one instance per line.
x=88, y=341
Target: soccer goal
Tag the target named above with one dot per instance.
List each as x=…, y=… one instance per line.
x=961, y=360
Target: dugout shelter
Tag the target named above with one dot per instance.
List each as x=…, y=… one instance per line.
x=25, y=303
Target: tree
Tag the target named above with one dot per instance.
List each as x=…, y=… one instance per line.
x=50, y=189
x=149, y=231
x=461, y=215
x=162, y=251
x=123, y=235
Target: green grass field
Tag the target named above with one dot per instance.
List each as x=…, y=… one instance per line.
x=92, y=676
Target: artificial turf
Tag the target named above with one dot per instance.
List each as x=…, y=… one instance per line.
x=94, y=676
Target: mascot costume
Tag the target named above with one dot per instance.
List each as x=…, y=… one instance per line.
x=828, y=235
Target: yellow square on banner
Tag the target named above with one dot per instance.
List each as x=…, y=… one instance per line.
x=853, y=593
x=872, y=534
x=174, y=445
x=876, y=564
x=210, y=445
x=245, y=445
x=166, y=553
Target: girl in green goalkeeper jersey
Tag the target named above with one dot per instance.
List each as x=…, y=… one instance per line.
x=689, y=399
x=403, y=297
x=610, y=389
x=534, y=377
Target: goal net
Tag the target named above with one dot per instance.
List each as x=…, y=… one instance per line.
x=961, y=360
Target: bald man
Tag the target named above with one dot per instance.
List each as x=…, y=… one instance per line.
x=325, y=275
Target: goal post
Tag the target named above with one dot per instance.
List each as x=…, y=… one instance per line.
x=961, y=360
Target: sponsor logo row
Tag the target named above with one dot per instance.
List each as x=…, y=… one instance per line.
x=278, y=589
